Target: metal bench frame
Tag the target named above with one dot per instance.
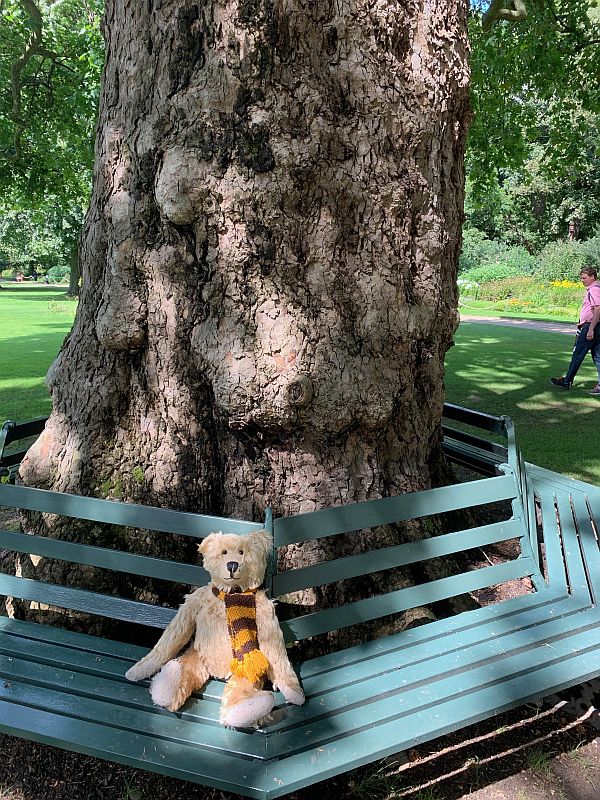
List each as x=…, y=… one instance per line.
x=364, y=702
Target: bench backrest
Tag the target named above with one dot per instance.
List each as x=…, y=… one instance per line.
x=344, y=520
x=386, y=511
x=115, y=513
x=13, y=433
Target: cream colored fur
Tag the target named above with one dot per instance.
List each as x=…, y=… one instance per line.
x=200, y=623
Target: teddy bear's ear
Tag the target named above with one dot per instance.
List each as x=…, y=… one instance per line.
x=261, y=541
x=205, y=544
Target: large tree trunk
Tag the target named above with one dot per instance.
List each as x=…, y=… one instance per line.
x=269, y=259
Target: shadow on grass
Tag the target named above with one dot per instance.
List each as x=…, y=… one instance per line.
x=501, y=370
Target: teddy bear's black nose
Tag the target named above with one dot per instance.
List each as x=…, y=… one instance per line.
x=232, y=566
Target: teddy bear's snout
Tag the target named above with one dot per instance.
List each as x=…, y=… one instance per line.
x=232, y=567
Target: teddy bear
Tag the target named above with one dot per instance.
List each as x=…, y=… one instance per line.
x=236, y=636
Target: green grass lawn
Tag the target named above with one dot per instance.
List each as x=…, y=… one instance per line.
x=486, y=308
x=501, y=370
x=495, y=369
x=34, y=321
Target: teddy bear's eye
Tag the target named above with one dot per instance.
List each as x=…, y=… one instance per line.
x=241, y=552
x=224, y=553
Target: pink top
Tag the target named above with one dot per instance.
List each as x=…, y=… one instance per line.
x=591, y=300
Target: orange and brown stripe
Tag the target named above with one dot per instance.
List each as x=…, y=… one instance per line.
x=240, y=612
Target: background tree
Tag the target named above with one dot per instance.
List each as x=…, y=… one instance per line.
x=50, y=60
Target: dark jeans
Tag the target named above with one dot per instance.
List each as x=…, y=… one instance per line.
x=580, y=350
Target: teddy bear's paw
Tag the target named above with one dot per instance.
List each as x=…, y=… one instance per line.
x=249, y=713
x=143, y=669
x=165, y=685
x=294, y=696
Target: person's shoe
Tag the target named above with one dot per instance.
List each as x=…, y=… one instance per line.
x=560, y=383
x=596, y=389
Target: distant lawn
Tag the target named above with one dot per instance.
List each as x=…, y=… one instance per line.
x=486, y=308
x=502, y=370
x=495, y=369
x=34, y=321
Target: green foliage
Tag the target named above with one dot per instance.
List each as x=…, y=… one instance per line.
x=533, y=80
x=48, y=107
x=505, y=288
x=58, y=92
x=477, y=249
x=28, y=242
x=491, y=271
x=592, y=248
x=562, y=261
x=57, y=274
x=495, y=258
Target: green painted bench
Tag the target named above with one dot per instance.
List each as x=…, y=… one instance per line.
x=364, y=702
x=13, y=435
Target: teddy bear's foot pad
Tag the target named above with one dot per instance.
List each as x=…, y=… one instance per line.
x=250, y=712
x=166, y=684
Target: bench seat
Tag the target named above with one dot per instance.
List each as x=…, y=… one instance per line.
x=364, y=702
x=374, y=700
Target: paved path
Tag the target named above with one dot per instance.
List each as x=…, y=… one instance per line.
x=534, y=324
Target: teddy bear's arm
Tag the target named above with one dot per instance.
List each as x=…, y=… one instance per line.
x=271, y=642
x=177, y=634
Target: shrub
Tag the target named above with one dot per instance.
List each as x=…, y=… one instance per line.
x=477, y=250
x=519, y=260
x=56, y=274
x=489, y=272
x=592, y=248
x=505, y=288
x=562, y=261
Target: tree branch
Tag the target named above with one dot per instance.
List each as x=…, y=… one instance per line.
x=497, y=11
x=35, y=46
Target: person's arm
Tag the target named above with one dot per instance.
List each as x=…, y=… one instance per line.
x=595, y=301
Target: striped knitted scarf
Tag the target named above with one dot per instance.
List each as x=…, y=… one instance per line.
x=240, y=611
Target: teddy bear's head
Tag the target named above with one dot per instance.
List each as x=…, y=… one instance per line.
x=236, y=561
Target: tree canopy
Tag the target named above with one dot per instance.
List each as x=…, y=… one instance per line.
x=534, y=81
x=533, y=145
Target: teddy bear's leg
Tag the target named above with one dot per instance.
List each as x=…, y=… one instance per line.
x=178, y=679
x=243, y=705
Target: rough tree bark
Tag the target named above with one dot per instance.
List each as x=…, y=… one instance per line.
x=269, y=259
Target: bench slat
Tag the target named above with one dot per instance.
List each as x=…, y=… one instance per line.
x=576, y=572
x=477, y=419
x=101, y=605
x=555, y=565
x=403, y=599
x=124, y=706
x=150, y=752
x=389, y=697
x=588, y=541
x=16, y=629
x=354, y=748
x=116, y=513
x=105, y=558
x=399, y=555
x=23, y=430
x=387, y=510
